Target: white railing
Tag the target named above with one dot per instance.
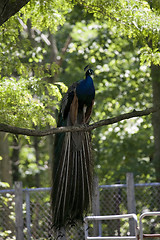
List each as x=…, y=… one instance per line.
x=147, y=214
x=138, y=231
x=110, y=217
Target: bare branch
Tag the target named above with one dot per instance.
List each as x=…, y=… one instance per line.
x=40, y=133
x=64, y=49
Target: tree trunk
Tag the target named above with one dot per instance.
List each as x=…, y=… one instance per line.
x=5, y=163
x=155, y=74
x=36, y=147
x=15, y=160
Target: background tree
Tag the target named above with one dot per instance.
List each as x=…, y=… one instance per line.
x=120, y=39
x=139, y=20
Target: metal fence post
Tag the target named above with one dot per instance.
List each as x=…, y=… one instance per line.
x=28, y=215
x=131, y=204
x=19, y=210
x=96, y=207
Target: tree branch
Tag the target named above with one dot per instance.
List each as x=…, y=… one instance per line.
x=41, y=133
x=9, y=8
x=64, y=49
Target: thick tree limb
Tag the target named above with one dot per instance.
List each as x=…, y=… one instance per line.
x=9, y=8
x=39, y=133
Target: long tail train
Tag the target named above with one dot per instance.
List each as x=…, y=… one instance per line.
x=72, y=186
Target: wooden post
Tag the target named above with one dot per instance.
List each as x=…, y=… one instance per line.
x=131, y=204
x=19, y=210
x=95, y=207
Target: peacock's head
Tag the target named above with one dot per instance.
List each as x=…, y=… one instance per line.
x=89, y=71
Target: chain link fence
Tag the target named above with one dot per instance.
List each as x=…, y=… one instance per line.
x=112, y=200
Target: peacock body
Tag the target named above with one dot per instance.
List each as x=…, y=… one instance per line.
x=72, y=167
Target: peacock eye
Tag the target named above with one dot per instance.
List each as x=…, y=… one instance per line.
x=90, y=72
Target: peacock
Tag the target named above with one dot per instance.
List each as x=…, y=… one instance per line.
x=72, y=167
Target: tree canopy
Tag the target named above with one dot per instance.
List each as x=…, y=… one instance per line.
x=44, y=48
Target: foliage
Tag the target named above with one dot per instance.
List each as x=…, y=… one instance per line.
x=46, y=14
x=8, y=214
x=138, y=19
x=23, y=102
x=26, y=99
x=43, y=15
x=121, y=85
x=4, y=185
x=119, y=39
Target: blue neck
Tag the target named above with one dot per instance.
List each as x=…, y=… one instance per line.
x=85, y=90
